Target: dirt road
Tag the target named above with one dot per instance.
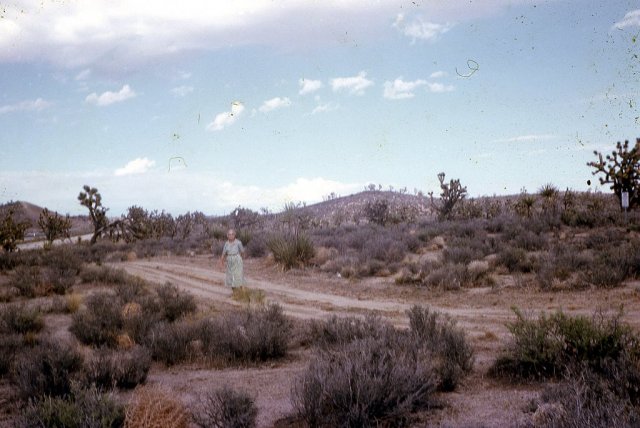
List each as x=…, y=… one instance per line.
x=482, y=312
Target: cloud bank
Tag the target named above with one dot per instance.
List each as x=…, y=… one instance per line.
x=107, y=98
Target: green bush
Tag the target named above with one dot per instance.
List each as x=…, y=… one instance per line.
x=225, y=407
x=175, y=303
x=100, y=322
x=47, y=369
x=292, y=250
x=83, y=408
x=550, y=345
x=28, y=281
x=169, y=343
x=254, y=334
x=20, y=319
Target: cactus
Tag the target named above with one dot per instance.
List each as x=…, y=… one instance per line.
x=91, y=199
x=452, y=193
x=620, y=169
x=11, y=232
x=54, y=226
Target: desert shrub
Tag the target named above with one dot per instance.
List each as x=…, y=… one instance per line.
x=123, y=369
x=439, y=333
x=10, y=345
x=549, y=346
x=515, y=260
x=338, y=331
x=584, y=398
x=28, y=281
x=153, y=407
x=465, y=250
x=20, y=319
x=529, y=241
x=291, y=250
x=377, y=211
x=254, y=334
x=602, y=239
x=175, y=303
x=447, y=277
x=257, y=247
x=63, y=266
x=104, y=275
x=140, y=315
x=613, y=265
x=368, y=382
x=100, y=322
x=169, y=343
x=47, y=369
x=225, y=407
x=83, y=408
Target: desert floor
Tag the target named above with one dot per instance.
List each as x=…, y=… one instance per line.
x=482, y=312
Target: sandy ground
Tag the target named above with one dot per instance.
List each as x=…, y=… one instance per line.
x=482, y=312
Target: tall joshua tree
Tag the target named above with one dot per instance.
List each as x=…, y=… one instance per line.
x=620, y=169
x=91, y=199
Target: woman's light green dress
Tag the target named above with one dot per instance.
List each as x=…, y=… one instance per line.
x=235, y=273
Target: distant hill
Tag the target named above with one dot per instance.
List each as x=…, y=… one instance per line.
x=350, y=208
x=30, y=213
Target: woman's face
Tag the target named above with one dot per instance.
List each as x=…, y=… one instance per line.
x=231, y=235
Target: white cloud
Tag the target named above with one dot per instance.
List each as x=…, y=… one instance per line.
x=526, y=138
x=227, y=118
x=631, y=19
x=308, y=86
x=439, y=87
x=274, y=103
x=182, y=91
x=136, y=166
x=108, y=97
x=438, y=74
x=400, y=89
x=122, y=34
x=27, y=105
x=355, y=85
x=324, y=108
x=419, y=29
x=84, y=74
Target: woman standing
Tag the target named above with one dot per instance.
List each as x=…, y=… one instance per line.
x=232, y=252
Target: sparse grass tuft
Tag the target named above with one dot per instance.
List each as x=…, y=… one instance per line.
x=248, y=295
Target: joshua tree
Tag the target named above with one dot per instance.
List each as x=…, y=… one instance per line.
x=452, y=193
x=11, y=232
x=620, y=169
x=91, y=199
x=54, y=225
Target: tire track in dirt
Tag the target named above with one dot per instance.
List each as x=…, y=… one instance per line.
x=208, y=284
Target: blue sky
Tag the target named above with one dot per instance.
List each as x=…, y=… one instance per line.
x=203, y=105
